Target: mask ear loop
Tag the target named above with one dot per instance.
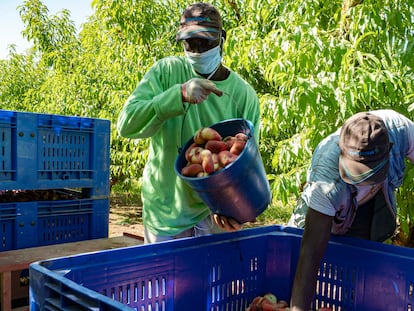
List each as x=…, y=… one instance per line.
x=218, y=66
x=214, y=71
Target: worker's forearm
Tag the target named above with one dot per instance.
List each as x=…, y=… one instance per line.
x=314, y=241
x=304, y=285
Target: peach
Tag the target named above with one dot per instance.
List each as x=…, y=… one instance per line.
x=229, y=140
x=198, y=139
x=192, y=170
x=202, y=174
x=266, y=306
x=225, y=157
x=238, y=146
x=194, y=155
x=204, y=134
x=207, y=161
x=209, y=133
x=241, y=136
x=257, y=300
x=189, y=150
x=216, y=162
x=270, y=298
x=282, y=304
x=215, y=146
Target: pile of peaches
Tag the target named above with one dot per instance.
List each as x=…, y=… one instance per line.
x=269, y=302
x=211, y=152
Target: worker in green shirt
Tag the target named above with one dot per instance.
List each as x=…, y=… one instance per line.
x=176, y=97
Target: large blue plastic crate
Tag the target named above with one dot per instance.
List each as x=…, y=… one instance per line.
x=40, y=223
x=223, y=272
x=45, y=151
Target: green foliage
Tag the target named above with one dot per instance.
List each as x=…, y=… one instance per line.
x=405, y=197
x=313, y=64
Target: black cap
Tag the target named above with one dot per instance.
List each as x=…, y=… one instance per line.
x=200, y=20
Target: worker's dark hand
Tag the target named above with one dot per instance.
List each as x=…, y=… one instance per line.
x=196, y=90
x=226, y=223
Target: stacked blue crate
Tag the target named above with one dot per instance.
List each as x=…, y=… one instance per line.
x=47, y=152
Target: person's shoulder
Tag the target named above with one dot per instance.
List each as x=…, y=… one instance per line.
x=324, y=169
x=171, y=61
x=170, y=66
x=388, y=114
x=236, y=79
x=392, y=118
x=234, y=75
x=328, y=150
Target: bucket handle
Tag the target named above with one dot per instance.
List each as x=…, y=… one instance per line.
x=180, y=148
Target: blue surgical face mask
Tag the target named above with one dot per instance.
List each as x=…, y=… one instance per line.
x=206, y=62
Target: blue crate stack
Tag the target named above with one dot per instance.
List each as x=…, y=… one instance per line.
x=64, y=154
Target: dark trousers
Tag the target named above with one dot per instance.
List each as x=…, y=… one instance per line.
x=373, y=220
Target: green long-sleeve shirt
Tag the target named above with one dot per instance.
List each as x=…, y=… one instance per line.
x=155, y=109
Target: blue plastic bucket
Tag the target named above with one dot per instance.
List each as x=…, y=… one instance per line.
x=241, y=189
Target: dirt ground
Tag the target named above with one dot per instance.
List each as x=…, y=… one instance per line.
x=124, y=218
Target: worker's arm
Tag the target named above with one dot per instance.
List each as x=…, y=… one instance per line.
x=314, y=241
